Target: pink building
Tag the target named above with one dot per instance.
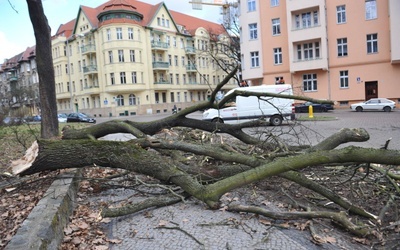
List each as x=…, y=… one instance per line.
x=345, y=51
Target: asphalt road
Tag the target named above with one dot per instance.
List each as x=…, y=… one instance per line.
x=381, y=126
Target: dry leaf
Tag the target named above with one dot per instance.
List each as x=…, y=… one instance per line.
x=162, y=223
x=114, y=241
x=265, y=222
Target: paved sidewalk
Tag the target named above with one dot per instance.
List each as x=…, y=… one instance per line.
x=192, y=225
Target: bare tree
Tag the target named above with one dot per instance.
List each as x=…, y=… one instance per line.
x=49, y=122
x=159, y=147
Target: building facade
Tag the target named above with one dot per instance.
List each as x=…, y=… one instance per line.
x=344, y=51
x=128, y=57
x=19, y=85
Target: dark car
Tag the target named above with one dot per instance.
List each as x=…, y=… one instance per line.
x=317, y=107
x=80, y=117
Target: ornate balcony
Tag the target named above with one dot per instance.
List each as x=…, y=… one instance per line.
x=161, y=65
x=90, y=48
x=190, y=50
x=191, y=68
x=90, y=69
x=159, y=45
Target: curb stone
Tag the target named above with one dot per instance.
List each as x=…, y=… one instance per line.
x=44, y=227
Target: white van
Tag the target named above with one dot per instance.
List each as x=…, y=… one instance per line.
x=242, y=108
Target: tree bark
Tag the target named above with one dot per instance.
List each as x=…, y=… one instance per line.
x=53, y=155
x=44, y=60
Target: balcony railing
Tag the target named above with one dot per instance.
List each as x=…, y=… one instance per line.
x=190, y=50
x=160, y=65
x=159, y=45
x=92, y=87
x=12, y=78
x=90, y=69
x=88, y=48
x=191, y=67
x=162, y=82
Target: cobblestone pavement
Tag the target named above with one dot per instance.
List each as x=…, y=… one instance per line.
x=192, y=225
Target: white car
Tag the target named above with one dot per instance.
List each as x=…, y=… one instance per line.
x=374, y=104
x=62, y=117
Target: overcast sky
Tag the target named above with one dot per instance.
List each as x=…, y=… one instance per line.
x=16, y=32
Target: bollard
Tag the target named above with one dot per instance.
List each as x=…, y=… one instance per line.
x=310, y=112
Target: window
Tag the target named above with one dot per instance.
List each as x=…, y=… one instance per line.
x=342, y=46
x=183, y=60
x=174, y=41
x=276, y=26
x=170, y=60
x=171, y=78
x=341, y=13
x=108, y=34
x=253, y=31
x=110, y=56
x=254, y=57
x=132, y=55
x=370, y=9
x=308, y=51
x=310, y=82
x=121, y=55
x=119, y=100
x=134, y=77
x=344, y=79
x=176, y=60
x=372, y=43
x=251, y=5
x=119, y=33
x=112, y=77
x=177, y=78
x=274, y=3
x=172, y=97
x=130, y=33
x=122, y=77
x=306, y=20
x=278, y=56
x=132, y=99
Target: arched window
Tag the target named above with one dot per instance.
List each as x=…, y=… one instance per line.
x=120, y=100
x=132, y=99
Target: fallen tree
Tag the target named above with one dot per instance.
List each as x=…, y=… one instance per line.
x=158, y=147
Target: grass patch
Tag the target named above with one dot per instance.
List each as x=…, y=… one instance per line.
x=316, y=118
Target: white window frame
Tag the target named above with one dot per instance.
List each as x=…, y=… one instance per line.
x=121, y=57
x=341, y=14
x=253, y=34
x=310, y=82
x=119, y=33
x=344, y=79
x=276, y=26
x=130, y=33
x=122, y=77
x=274, y=3
x=255, y=59
x=277, y=56
x=132, y=55
x=371, y=10
x=342, y=47
x=251, y=5
x=372, y=43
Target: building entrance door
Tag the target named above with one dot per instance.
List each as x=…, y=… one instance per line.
x=371, y=90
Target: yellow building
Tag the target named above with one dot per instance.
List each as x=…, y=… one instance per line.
x=128, y=57
x=341, y=50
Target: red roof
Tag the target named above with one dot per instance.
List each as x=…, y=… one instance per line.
x=147, y=10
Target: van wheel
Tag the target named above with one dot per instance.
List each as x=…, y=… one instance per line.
x=217, y=120
x=275, y=120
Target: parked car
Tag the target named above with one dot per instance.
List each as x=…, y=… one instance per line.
x=317, y=107
x=374, y=104
x=35, y=118
x=9, y=121
x=62, y=117
x=80, y=117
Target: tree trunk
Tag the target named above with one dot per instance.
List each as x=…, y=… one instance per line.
x=44, y=60
x=53, y=155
